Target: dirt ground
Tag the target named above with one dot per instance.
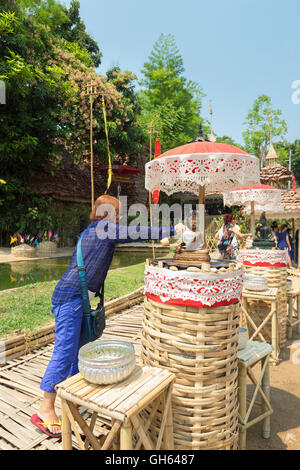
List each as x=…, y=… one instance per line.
x=285, y=400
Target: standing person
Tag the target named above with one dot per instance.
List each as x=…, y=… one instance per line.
x=226, y=237
x=284, y=242
x=289, y=230
x=275, y=231
x=297, y=248
x=67, y=301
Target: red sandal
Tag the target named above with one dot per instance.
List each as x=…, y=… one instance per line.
x=44, y=426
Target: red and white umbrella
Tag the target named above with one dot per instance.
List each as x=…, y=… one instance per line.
x=255, y=195
x=261, y=194
x=201, y=163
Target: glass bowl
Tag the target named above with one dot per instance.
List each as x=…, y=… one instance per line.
x=106, y=362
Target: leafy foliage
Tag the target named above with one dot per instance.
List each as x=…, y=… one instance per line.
x=46, y=117
x=74, y=31
x=257, y=133
x=169, y=101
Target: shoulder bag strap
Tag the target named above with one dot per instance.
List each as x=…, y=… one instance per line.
x=82, y=277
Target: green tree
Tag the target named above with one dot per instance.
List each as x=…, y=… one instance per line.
x=295, y=149
x=257, y=133
x=74, y=30
x=46, y=117
x=169, y=101
x=283, y=149
x=126, y=134
x=225, y=139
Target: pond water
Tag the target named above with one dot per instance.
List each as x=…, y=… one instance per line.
x=23, y=273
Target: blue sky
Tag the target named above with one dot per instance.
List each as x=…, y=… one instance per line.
x=235, y=49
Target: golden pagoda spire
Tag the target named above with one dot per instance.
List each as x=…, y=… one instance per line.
x=272, y=157
x=212, y=137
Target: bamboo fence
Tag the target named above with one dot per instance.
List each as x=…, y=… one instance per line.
x=26, y=342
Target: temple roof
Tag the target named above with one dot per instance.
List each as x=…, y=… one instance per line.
x=291, y=201
x=276, y=174
x=272, y=157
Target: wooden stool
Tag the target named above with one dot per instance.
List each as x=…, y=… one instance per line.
x=269, y=296
x=293, y=296
x=248, y=358
x=147, y=387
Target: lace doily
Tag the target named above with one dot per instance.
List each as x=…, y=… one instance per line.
x=275, y=209
x=259, y=196
x=275, y=258
x=184, y=173
x=193, y=289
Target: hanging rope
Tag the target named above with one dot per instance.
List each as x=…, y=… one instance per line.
x=110, y=173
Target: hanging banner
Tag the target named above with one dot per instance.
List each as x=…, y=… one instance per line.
x=155, y=196
x=157, y=152
x=157, y=149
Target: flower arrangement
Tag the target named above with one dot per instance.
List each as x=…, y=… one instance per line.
x=47, y=237
x=18, y=239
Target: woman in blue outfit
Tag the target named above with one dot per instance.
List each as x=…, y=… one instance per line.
x=67, y=305
x=284, y=242
x=297, y=248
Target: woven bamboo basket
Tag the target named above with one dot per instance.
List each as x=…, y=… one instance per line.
x=46, y=247
x=23, y=251
x=200, y=347
x=277, y=277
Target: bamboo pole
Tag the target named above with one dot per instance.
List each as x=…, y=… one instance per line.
x=202, y=211
x=151, y=129
x=252, y=219
x=126, y=436
x=290, y=315
x=91, y=148
x=266, y=390
x=242, y=383
x=66, y=428
x=112, y=434
x=84, y=427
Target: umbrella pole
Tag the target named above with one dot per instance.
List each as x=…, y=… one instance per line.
x=252, y=219
x=202, y=211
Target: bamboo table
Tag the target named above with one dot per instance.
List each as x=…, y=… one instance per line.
x=293, y=296
x=147, y=388
x=247, y=358
x=269, y=296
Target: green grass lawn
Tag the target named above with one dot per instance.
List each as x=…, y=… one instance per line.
x=30, y=306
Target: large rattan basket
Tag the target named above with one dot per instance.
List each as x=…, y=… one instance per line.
x=200, y=347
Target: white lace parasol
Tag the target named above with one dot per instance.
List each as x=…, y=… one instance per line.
x=213, y=165
x=260, y=194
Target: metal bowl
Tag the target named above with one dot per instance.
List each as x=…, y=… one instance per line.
x=257, y=283
x=106, y=362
